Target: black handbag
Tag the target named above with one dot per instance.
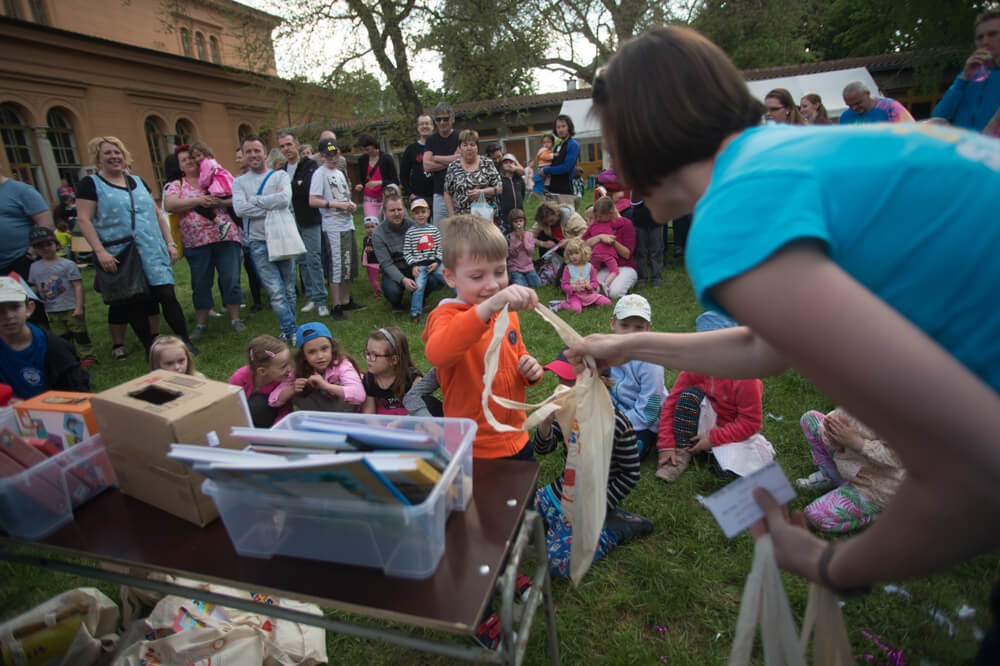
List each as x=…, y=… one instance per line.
x=128, y=284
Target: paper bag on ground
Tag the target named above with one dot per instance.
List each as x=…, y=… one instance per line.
x=587, y=419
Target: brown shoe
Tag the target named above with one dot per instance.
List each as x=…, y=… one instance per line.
x=668, y=472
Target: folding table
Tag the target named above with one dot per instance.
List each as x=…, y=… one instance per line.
x=492, y=534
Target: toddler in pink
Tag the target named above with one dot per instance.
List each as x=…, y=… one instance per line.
x=579, y=280
x=606, y=223
x=212, y=176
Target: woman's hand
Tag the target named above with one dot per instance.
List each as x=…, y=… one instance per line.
x=665, y=457
x=359, y=187
x=209, y=201
x=108, y=263
x=795, y=548
x=608, y=350
x=562, y=243
x=374, y=183
x=474, y=193
x=700, y=442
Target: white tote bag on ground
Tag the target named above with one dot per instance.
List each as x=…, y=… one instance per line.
x=587, y=419
x=765, y=603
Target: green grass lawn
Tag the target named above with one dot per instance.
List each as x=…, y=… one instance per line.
x=671, y=597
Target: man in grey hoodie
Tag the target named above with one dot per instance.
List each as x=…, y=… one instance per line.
x=387, y=241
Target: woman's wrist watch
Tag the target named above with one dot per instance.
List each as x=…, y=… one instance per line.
x=172, y=244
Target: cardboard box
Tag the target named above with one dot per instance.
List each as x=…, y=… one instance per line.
x=62, y=417
x=140, y=419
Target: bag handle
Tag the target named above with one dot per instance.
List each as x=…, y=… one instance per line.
x=540, y=410
x=264, y=182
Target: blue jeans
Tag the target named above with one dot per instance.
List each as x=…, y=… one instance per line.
x=393, y=290
x=278, y=280
x=423, y=277
x=529, y=279
x=223, y=257
x=312, y=264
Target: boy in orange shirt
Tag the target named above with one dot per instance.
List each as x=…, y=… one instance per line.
x=459, y=330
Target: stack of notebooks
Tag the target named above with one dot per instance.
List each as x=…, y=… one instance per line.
x=326, y=459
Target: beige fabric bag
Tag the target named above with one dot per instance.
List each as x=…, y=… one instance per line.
x=71, y=629
x=587, y=419
x=183, y=631
x=765, y=603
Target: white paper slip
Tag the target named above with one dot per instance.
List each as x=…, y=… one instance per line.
x=734, y=507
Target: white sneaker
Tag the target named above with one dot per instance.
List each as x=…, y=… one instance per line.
x=308, y=307
x=323, y=311
x=817, y=481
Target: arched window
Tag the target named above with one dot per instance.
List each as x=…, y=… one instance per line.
x=38, y=12
x=244, y=130
x=183, y=132
x=63, y=141
x=199, y=45
x=157, y=149
x=213, y=47
x=186, y=41
x=18, y=143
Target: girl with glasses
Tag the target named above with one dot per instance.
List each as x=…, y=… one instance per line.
x=390, y=371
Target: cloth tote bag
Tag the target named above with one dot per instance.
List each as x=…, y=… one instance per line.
x=587, y=419
x=481, y=208
x=280, y=231
x=765, y=603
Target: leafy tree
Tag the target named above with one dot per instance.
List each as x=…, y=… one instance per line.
x=756, y=33
x=487, y=48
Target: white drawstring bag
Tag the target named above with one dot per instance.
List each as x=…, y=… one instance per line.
x=765, y=603
x=481, y=208
x=587, y=419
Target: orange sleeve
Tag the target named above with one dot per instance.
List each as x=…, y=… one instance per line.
x=449, y=333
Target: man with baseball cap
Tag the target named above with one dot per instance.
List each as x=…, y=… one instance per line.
x=33, y=361
x=331, y=193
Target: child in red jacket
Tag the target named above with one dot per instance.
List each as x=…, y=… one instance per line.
x=737, y=404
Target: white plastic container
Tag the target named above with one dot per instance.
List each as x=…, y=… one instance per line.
x=406, y=541
x=41, y=499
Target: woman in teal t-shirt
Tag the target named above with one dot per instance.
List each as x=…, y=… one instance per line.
x=863, y=257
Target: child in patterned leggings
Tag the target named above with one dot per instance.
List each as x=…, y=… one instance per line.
x=858, y=469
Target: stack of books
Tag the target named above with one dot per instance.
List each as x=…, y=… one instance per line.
x=326, y=459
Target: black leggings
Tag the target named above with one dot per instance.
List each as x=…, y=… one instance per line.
x=137, y=314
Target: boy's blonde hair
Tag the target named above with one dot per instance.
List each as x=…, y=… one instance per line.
x=577, y=244
x=473, y=236
x=164, y=342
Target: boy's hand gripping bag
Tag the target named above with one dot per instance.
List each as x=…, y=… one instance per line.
x=283, y=239
x=587, y=419
x=765, y=603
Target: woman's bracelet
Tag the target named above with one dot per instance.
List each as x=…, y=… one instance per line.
x=824, y=576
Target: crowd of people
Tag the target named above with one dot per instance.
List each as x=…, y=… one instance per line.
x=799, y=255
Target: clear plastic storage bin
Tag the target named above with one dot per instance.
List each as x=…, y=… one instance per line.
x=405, y=541
x=41, y=499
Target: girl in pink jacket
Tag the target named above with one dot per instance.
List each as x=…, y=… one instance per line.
x=326, y=377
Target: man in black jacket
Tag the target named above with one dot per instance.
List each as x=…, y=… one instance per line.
x=300, y=172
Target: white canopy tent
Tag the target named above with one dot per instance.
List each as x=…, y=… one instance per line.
x=828, y=85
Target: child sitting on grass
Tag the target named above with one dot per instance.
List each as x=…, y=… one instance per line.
x=737, y=404
x=327, y=379
x=637, y=387
x=459, y=330
x=858, y=469
x=390, y=371
x=269, y=365
x=33, y=361
x=168, y=352
x=579, y=280
x=623, y=474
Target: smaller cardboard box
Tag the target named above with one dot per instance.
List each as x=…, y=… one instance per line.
x=62, y=417
x=141, y=418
